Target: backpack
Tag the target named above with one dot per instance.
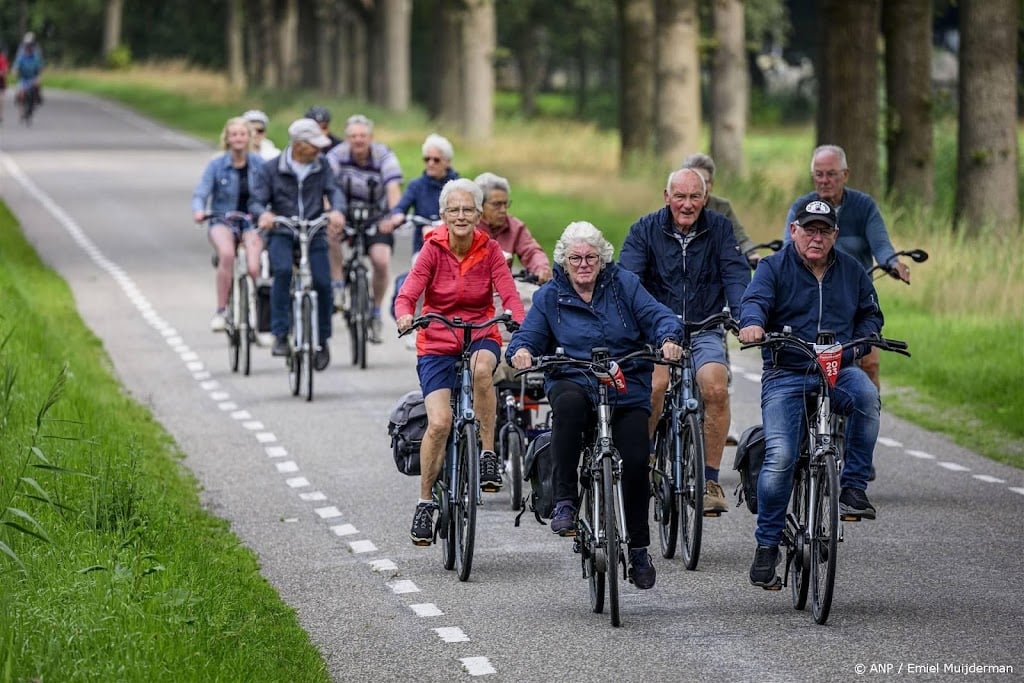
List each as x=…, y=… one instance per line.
x=749, y=459
x=407, y=426
x=539, y=470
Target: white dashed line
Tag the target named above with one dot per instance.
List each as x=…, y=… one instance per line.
x=989, y=478
x=220, y=395
x=228, y=405
x=329, y=512
x=452, y=634
x=954, y=467
x=313, y=496
x=891, y=443
x=276, y=451
x=403, y=586
x=426, y=609
x=209, y=386
x=1017, y=489
x=297, y=482
x=383, y=566
x=195, y=366
x=241, y=415
x=190, y=355
x=920, y=454
x=266, y=437
x=478, y=666
x=344, y=530
x=253, y=425
x=287, y=467
x=362, y=546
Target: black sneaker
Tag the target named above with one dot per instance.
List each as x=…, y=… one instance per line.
x=641, y=570
x=762, y=571
x=322, y=358
x=422, y=532
x=490, y=472
x=854, y=503
x=563, y=519
x=280, y=347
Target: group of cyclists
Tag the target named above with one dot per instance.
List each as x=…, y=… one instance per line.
x=678, y=265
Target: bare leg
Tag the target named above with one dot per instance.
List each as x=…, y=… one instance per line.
x=485, y=403
x=439, y=423
x=713, y=380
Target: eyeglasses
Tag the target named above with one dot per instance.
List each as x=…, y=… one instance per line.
x=460, y=210
x=577, y=260
x=500, y=205
x=435, y=160
x=824, y=232
x=260, y=130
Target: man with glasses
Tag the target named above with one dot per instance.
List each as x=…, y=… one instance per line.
x=863, y=236
x=688, y=259
x=809, y=286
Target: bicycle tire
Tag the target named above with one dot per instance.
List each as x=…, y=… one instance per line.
x=308, y=349
x=613, y=548
x=446, y=520
x=512, y=444
x=243, y=330
x=466, y=496
x=690, y=502
x=662, y=484
x=359, y=319
x=798, y=556
x=295, y=354
x=232, y=333
x=587, y=533
x=825, y=539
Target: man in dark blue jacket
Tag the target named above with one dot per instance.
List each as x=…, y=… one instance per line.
x=688, y=259
x=809, y=286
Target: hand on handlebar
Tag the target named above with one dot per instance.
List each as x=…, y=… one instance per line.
x=336, y=222
x=751, y=334
x=522, y=359
x=404, y=323
x=671, y=351
x=902, y=271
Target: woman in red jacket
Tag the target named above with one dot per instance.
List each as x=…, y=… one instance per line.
x=457, y=271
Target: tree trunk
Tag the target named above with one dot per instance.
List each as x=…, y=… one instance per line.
x=112, y=26
x=907, y=27
x=271, y=72
x=848, y=76
x=730, y=87
x=449, y=68
x=987, y=172
x=677, y=81
x=636, y=89
x=235, y=39
x=289, y=45
x=528, y=59
x=326, y=26
x=479, y=41
x=397, y=15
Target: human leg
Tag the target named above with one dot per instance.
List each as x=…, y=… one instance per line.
x=253, y=249
x=223, y=242
x=713, y=380
x=279, y=248
x=571, y=412
x=856, y=397
x=659, y=385
x=869, y=363
x=320, y=268
x=782, y=408
x=628, y=426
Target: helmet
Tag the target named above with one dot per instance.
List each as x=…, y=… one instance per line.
x=319, y=114
x=256, y=116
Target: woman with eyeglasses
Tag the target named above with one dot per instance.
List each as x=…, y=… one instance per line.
x=592, y=302
x=457, y=272
x=422, y=194
x=508, y=231
x=258, y=122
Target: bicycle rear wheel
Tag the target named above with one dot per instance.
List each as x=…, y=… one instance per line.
x=232, y=332
x=691, y=490
x=613, y=548
x=512, y=446
x=243, y=330
x=308, y=348
x=466, y=493
x=359, y=319
x=593, y=562
x=825, y=539
x=796, y=527
x=662, y=483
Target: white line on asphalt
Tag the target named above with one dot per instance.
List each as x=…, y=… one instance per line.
x=297, y=482
x=220, y=395
x=989, y=478
x=241, y=415
x=195, y=366
x=954, y=467
x=920, y=454
x=1017, y=489
x=329, y=512
x=892, y=443
x=344, y=530
x=478, y=666
x=382, y=566
x=403, y=586
x=253, y=425
x=266, y=437
x=426, y=609
x=209, y=386
x=313, y=496
x=276, y=451
x=452, y=634
x=190, y=355
x=228, y=405
x=362, y=546
x=287, y=467
x=199, y=376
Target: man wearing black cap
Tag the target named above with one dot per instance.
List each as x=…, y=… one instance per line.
x=809, y=286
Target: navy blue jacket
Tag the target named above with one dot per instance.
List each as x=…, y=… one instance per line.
x=695, y=283
x=278, y=189
x=784, y=291
x=621, y=316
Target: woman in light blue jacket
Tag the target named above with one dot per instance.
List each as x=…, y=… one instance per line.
x=225, y=187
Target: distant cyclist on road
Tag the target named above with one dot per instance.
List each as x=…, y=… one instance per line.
x=259, y=121
x=422, y=194
x=28, y=65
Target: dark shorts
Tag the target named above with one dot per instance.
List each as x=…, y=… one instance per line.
x=708, y=347
x=438, y=372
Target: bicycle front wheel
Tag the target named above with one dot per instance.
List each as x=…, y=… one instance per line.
x=691, y=490
x=662, y=484
x=308, y=347
x=610, y=529
x=587, y=536
x=243, y=330
x=824, y=539
x=232, y=332
x=796, y=532
x=359, y=319
x=512, y=446
x=466, y=493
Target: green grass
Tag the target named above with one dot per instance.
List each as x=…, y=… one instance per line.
x=110, y=569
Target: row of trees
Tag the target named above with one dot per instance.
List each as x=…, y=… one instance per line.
x=659, y=57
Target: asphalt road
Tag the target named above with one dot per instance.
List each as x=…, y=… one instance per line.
x=936, y=581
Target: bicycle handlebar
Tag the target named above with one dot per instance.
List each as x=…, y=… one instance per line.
x=237, y=221
x=785, y=338
x=296, y=225
x=458, y=323
x=526, y=276
x=599, y=362
x=723, y=318
x=916, y=255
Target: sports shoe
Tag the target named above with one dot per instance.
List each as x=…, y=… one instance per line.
x=322, y=358
x=373, y=334
x=641, y=571
x=422, y=532
x=762, y=571
x=563, y=520
x=264, y=339
x=280, y=347
x=714, y=498
x=219, y=321
x=490, y=472
x=854, y=503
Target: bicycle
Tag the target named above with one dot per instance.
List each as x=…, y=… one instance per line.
x=358, y=311
x=457, y=491
x=773, y=245
x=28, y=100
x=813, y=523
x=677, y=475
x=305, y=333
x=241, y=304
x=916, y=255
x=601, y=536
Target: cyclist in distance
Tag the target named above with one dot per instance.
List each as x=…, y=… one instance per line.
x=322, y=116
x=457, y=272
x=297, y=183
x=362, y=167
x=259, y=121
x=688, y=259
x=28, y=65
x=809, y=286
x=863, y=236
x=705, y=165
x=592, y=302
x=422, y=194
x=225, y=186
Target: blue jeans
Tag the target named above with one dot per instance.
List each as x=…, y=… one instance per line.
x=782, y=410
x=279, y=248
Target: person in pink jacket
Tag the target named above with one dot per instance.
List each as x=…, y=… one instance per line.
x=456, y=272
x=508, y=231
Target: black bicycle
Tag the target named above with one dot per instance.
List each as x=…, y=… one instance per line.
x=773, y=245
x=879, y=269
x=813, y=523
x=358, y=303
x=457, y=490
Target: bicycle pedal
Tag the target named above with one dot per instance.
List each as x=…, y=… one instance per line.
x=712, y=513
x=849, y=518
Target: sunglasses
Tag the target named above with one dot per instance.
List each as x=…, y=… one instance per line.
x=435, y=160
x=260, y=130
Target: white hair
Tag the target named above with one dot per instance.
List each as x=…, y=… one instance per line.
x=441, y=144
x=489, y=182
x=832, y=149
x=673, y=174
x=582, y=232
x=461, y=185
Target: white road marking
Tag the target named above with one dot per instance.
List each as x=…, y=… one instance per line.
x=199, y=376
x=403, y=586
x=209, y=386
x=297, y=482
x=891, y=443
x=312, y=496
x=175, y=340
x=382, y=566
x=241, y=415
x=253, y=425
x=190, y=355
x=954, y=467
x=426, y=609
x=344, y=530
x=362, y=546
x=920, y=454
x=287, y=467
x=452, y=634
x=478, y=666
x=266, y=437
x=1017, y=489
x=195, y=366
x=989, y=478
x=220, y=395
x=329, y=512
x=228, y=405
x=276, y=451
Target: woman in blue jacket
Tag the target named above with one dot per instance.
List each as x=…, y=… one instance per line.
x=591, y=302
x=224, y=187
x=422, y=194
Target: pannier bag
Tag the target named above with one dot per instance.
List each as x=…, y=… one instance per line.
x=749, y=459
x=407, y=426
x=539, y=470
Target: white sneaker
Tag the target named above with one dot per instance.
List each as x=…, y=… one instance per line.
x=219, y=323
x=265, y=339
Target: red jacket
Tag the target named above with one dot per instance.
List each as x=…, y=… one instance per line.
x=453, y=288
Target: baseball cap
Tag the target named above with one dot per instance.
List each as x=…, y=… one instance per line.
x=816, y=211
x=319, y=114
x=256, y=116
x=308, y=130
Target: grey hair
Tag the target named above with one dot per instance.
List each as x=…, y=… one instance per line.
x=673, y=174
x=440, y=143
x=461, y=185
x=582, y=232
x=489, y=182
x=359, y=120
x=701, y=161
x=832, y=149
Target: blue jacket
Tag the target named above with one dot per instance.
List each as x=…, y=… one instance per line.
x=278, y=189
x=219, y=184
x=696, y=282
x=621, y=316
x=862, y=232
x=784, y=291
x=423, y=195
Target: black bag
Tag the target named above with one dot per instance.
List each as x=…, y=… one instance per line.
x=539, y=470
x=407, y=426
x=749, y=459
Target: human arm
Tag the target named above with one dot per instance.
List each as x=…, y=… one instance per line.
x=502, y=280
x=204, y=189
x=413, y=287
x=757, y=302
x=534, y=336
x=881, y=247
x=529, y=251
